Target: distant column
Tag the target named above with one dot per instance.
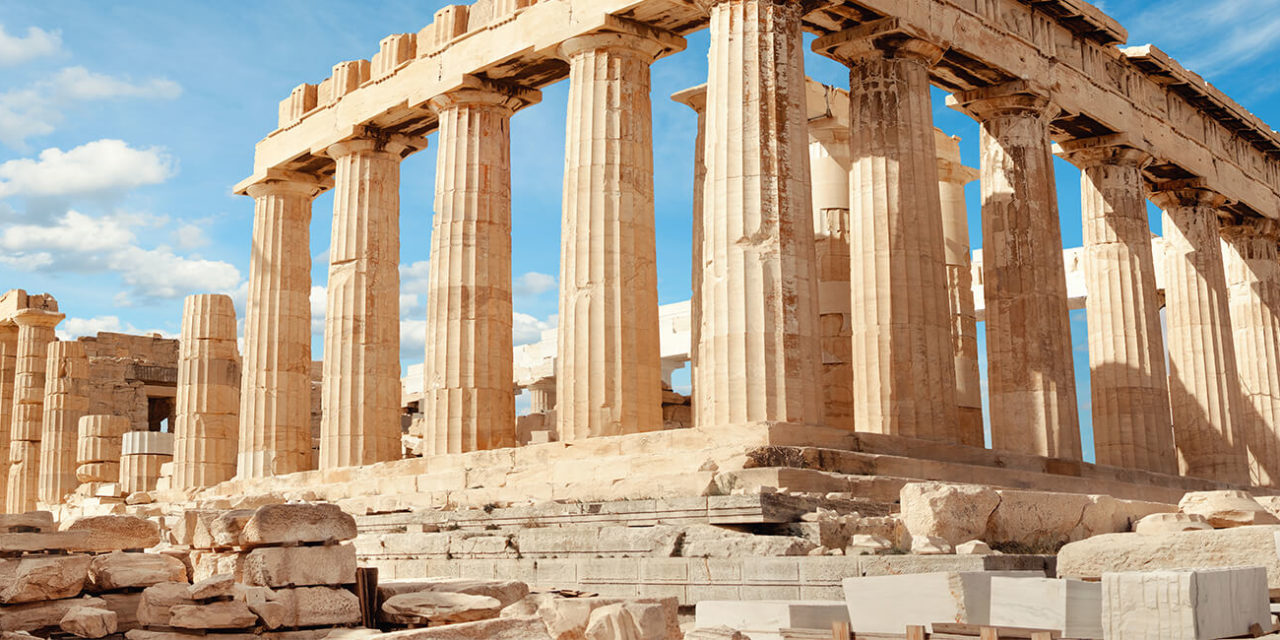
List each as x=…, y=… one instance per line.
x=608, y=378
x=758, y=349
x=8, y=367
x=208, y=400
x=98, y=448
x=361, y=389
x=35, y=332
x=275, y=411
x=65, y=401
x=829, y=171
x=696, y=98
x=1252, y=265
x=469, y=397
x=1031, y=378
x=901, y=315
x=141, y=454
x=1203, y=379
x=952, y=178
x=1131, y=426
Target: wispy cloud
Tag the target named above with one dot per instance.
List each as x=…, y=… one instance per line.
x=1210, y=36
x=37, y=43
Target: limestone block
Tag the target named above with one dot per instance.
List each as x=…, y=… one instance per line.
x=953, y=512
x=567, y=618
x=715, y=633
x=116, y=532
x=507, y=592
x=120, y=570
x=1158, y=523
x=303, y=607
x=297, y=523
x=1222, y=509
x=31, y=521
x=140, y=472
x=524, y=628
x=103, y=426
x=89, y=622
x=1270, y=503
x=40, y=615
x=1119, y=552
x=436, y=607
x=35, y=578
x=888, y=604
x=98, y=472
x=215, y=586
x=126, y=607
x=157, y=602
x=707, y=541
x=931, y=545
x=46, y=541
x=613, y=622
x=974, y=548
x=300, y=566
x=1071, y=607
x=224, y=530
x=150, y=443
x=1200, y=604
x=210, y=563
x=770, y=616
x=97, y=449
x=225, y=614
x=865, y=544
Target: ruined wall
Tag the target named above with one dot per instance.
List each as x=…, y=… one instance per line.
x=123, y=368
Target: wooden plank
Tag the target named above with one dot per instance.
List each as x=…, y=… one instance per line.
x=367, y=590
x=915, y=632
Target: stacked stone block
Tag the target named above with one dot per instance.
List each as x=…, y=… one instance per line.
x=98, y=451
x=208, y=402
x=35, y=332
x=141, y=454
x=65, y=401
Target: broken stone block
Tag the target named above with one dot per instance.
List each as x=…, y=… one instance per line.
x=974, y=548
x=567, y=618
x=435, y=608
x=89, y=622
x=217, y=586
x=27, y=542
x=1224, y=509
x=224, y=614
x=297, y=523
x=29, y=522
x=38, y=578
x=39, y=615
x=299, y=566
x=303, y=606
x=715, y=633
x=210, y=563
x=707, y=541
x=1158, y=523
x=862, y=544
x=888, y=604
x=125, y=605
x=1119, y=552
x=612, y=622
x=953, y=512
x=507, y=592
x=116, y=532
x=930, y=546
x=522, y=628
x=769, y=617
x=224, y=530
x=121, y=570
x=1189, y=604
x=158, y=600
x=1071, y=607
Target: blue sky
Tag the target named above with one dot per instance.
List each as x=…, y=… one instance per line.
x=124, y=125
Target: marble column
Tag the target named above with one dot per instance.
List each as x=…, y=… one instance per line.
x=98, y=448
x=361, y=388
x=608, y=378
x=542, y=396
x=469, y=399
x=952, y=178
x=829, y=168
x=8, y=366
x=901, y=313
x=275, y=408
x=758, y=348
x=1130, y=391
x=208, y=400
x=1252, y=265
x=696, y=98
x=1031, y=379
x=1203, y=380
x=35, y=332
x=66, y=400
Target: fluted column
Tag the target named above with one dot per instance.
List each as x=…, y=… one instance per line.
x=1203, y=380
x=1130, y=391
x=275, y=408
x=1031, y=380
x=361, y=389
x=829, y=171
x=1249, y=254
x=952, y=178
x=608, y=378
x=35, y=332
x=901, y=312
x=8, y=367
x=469, y=399
x=66, y=400
x=208, y=399
x=758, y=353
x=696, y=98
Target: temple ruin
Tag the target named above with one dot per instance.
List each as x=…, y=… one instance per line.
x=834, y=445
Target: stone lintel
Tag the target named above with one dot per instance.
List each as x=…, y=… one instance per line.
x=473, y=89
x=1250, y=226
x=1118, y=148
x=1018, y=96
x=889, y=37
x=628, y=34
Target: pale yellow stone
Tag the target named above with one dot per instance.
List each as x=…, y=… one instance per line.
x=35, y=332
x=66, y=401
x=208, y=394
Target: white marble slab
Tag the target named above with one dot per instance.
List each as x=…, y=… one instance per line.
x=1185, y=604
x=1071, y=607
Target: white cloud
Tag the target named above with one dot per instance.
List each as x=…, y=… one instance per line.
x=190, y=236
x=74, y=233
x=160, y=273
x=96, y=168
x=15, y=50
x=413, y=339
x=1211, y=36
x=527, y=329
x=79, y=83
x=413, y=278
x=73, y=328
x=533, y=284
x=37, y=109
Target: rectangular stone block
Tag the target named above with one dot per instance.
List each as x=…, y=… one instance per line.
x=1189, y=604
x=767, y=619
x=888, y=604
x=1071, y=607
x=300, y=566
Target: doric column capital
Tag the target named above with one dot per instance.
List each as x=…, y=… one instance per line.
x=373, y=140
x=1241, y=227
x=1186, y=193
x=694, y=97
x=282, y=182
x=477, y=92
x=888, y=38
x=37, y=318
x=624, y=35
x=1017, y=98
x=1104, y=150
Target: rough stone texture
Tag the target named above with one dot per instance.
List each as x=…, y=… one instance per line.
x=304, y=606
x=89, y=622
x=226, y=614
x=507, y=592
x=974, y=548
x=1199, y=604
x=35, y=578
x=40, y=615
x=35, y=332
x=715, y=633
x=208, y=400
x=613, y=622
x=525, y=628
x=297, y=523
x=66, y=400
x=300, y=566
x=116, y=532
x=707, y=541
x=955, y=513
x=1242, y=546
x=8, y=367
x=1159, y=523
x=32, y=521
x=216, y=586
x=158, y=601
x=275, y=421
x=437, y=607
x=121, y=570
x=223, y=531
x=1229, y=508
x=770, y=617
x=887, y=604
x=567, y=618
